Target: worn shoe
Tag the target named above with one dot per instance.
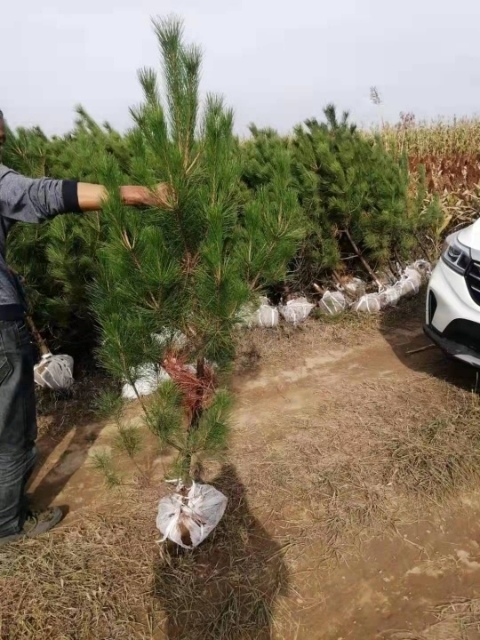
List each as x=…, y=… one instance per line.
x=35, y=525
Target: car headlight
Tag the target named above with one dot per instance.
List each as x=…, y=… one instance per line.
x=455, y=254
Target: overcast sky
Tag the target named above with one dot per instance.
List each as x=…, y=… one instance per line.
x=277, y=62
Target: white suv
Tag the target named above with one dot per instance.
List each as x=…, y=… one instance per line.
x=453, y=297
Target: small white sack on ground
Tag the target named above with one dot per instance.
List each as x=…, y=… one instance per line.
x=332, y=303
x=296, y=310
x=410, y=282
x=369, y=303
x=413, y=274
x=264, y=316
x=354, y=288
x=389, y=297
x=408, y=285
x=148, y=378
x=54, y=372
x=188, y=519
x=424, y=268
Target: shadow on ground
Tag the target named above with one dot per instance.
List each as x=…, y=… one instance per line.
x=402, y=329
x=228, y=586
x=67, y=415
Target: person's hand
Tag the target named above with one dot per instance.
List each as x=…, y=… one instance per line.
x=91, y=197
x=162, y=196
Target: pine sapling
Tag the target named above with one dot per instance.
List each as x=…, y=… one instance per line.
x=190, y=267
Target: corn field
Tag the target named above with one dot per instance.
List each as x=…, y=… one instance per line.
x=448, y=152
x=432, y=138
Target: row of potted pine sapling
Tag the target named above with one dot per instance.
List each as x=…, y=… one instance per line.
x=350, y=293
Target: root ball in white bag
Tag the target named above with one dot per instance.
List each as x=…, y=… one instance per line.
x=354, y=288
x=369, y=303
x=296, y=310
x=389, y=297
x=188, y=516
x=147, y=378
x=54, y=372
x=263, y=316
x=332, y=303
x=423, y=267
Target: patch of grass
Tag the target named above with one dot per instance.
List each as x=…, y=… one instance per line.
x=88, y=581
x=437, y=458
x=456, y=620
x=227, y=588
x=366, y=462
x=464, y=613
x=345, y=318
x=104, y=577
x=352, y=503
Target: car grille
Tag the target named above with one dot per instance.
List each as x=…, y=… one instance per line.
x=472, y=278
x=464, y=332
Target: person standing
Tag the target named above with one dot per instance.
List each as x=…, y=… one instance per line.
x=24, y=199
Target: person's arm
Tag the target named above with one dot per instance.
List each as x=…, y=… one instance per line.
x=29, y=200
x=91, y=196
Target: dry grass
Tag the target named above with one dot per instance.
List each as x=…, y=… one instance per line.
x=105, y=578
x=353, y=464
x=456, y=620
x=273, y=348
x=348, y=482
x=465, y=613
x=313, y=481
x=89, y=580
x=440, y=457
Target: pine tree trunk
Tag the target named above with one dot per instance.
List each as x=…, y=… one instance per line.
x=362, y=259
x=194, y=421
x=422, y=247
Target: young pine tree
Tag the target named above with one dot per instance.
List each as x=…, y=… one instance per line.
x=192, y=266
x=352, y=189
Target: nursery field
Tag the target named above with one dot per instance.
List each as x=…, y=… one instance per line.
x=350, y=465
x=352, y=477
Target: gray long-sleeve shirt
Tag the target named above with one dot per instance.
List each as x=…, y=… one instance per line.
x=27, y=200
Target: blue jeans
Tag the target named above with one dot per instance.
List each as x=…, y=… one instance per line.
x=18, y=424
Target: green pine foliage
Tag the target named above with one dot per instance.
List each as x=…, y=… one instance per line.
x=350, y=185
x=273, y=222
x=247, y=216
x=191, y=266
x=261, y=154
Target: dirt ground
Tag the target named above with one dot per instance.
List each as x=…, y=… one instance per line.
x=352, y=475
